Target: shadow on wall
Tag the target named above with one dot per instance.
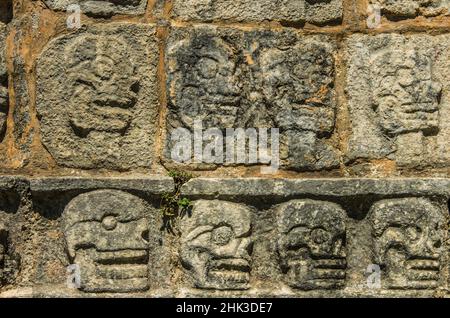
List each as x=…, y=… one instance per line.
x=6, y=11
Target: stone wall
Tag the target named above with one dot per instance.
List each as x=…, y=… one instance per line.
x=91, y=198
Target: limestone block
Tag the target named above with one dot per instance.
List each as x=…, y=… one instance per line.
x=101, y=8
x=407, y=9
x=399, y=98
x=227, y=78
x=288, y=11
x=97, y=97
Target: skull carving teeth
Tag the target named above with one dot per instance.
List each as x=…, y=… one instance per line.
x=408, y=234
x=216, y=245
x=311, y=244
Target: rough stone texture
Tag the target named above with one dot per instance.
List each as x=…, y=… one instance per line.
x=3, y=82
x=288, y=11
x=104, y=8
x=359, y=206
x=404, y=9
x=399, y=98
x=106, y=77
x=233, y=79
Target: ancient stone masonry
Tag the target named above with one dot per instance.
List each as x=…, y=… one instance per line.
x=291, y=87
x=338, y=187
x=404, y=9
x=106, y=78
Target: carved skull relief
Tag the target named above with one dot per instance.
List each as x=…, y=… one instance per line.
x=203, y=82
x=101, y=8
x=311, y=244
x=405, y=97
x=408, y=237
x=97, y=98
x=106, y=234
x=298, y=85
x=216, y=245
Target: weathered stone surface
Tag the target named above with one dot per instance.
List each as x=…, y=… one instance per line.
x=106, y=79
x=399, y=98
x=145, y=184
x=3, y=82
x=311, y=244
x=216, y=245
x=107, y=237
x=285, y=188
x=404, y=9
x=101, y=8
x=257, y=79
x=408, y=242
x=286, y=11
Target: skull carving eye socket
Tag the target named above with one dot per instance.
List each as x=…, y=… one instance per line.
x=413, y=233
x=222, y=235
x=207, y=68
x=319, y=235
x=109, y=222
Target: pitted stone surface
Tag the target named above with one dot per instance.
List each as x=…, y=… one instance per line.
x=399, y=98
x=106, y=78
x=404, y=9
x=288, y=11
x=227, y=78
x=3, y=82
x=106, y=231
x=101, y=8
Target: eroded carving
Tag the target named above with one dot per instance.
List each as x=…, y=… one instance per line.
x=405, y=97
x=311, y=244
x=217, y=245
x=203, y=82
x=101, y=8
x=408, y=237
x=298, y=84
x=106, y=81
x=107, y=237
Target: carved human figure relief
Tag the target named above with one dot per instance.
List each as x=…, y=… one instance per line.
x=203, y=82
x=408, y=236
x=311, y=244
x=97, y=98
x=298, y=85
x=216, y=245
x=101, y=8
x=3, y=82
x=106, y=234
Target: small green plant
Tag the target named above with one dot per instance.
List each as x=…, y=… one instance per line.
x=173, y=206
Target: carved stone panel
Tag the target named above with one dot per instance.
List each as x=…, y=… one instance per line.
x=3, y=82
x=399, y=99
x=408, y=237
x=290, y=11
x=97, y=97
x=216, y=245
x=107, y=238
x=407, y=9
x=225, y=78
x=312, y=244
x=101, y=8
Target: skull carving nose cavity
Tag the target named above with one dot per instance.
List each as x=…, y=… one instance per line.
x=222, y=235
x=319, y=235
x=109, y=222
